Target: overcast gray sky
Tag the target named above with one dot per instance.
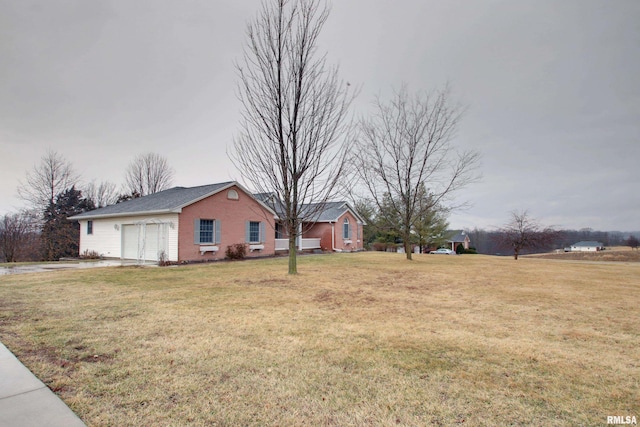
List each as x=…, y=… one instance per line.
x=552, y=90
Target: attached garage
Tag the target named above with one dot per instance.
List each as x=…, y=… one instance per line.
x=144, y=241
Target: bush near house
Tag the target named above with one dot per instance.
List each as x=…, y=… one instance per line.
x=237, y=251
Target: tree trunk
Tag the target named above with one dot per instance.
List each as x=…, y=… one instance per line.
x=515, y=255
x=407, y=245
x=293, y=255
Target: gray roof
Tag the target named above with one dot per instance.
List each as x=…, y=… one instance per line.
x=456, y=236
x=588, y=243
x=317, y=212
x=176, y=198
x=331, y=211
x=167, y=201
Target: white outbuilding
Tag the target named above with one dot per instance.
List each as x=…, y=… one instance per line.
x=587, y=246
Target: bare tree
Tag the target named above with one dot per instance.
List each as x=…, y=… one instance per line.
x=102, y=194
x=524, y=232
x=632, y=242
x=148, y=173
x=405, y=146
x=294, y=113
x=17, y=233
x=46, y=180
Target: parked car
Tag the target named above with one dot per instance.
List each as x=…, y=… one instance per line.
x=443, y=251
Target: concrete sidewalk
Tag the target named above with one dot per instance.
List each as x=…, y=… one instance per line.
x=26, y=402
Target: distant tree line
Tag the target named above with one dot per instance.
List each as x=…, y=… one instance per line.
x=492, y=241
x=521, y=235
x=54, y=191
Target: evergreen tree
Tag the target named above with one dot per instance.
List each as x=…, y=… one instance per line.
x=430, y=224
x=60, y=237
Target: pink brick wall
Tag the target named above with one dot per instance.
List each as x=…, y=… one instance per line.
x=323, y=230
x=233, y=215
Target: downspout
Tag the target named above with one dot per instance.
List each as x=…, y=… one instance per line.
x=333, y=235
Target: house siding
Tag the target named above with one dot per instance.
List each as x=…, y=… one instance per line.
x=323, y=230
x=584, y=249
x=106, y=238
x=356, y=233
x=233, y=215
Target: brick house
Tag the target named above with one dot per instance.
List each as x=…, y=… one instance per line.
x=335, y=226
x=182, y=224
x=457, y=237
x=199, y=223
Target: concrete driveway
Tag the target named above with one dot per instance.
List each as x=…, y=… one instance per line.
x=67, y=265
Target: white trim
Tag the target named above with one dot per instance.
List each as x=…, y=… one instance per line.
x=205, y=249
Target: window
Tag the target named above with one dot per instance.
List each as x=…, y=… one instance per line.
x=206, y=231
x=232, y=195
x=89, y=227
x=346, y=230
x=279, y=230
x=254, y=231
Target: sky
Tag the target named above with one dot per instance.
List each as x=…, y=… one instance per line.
x=551, y=90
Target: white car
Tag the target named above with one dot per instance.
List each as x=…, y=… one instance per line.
x=443, y=251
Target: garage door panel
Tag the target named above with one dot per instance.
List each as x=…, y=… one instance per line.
x=145, y=239
x=130, y=241
x=152, y=244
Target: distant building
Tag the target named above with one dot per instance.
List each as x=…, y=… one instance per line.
x=457, y=237
x=587, y=246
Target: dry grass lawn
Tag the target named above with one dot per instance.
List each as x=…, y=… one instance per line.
x=354, y=339
x=615, y=254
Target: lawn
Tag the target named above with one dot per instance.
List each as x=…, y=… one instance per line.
x=354, y=339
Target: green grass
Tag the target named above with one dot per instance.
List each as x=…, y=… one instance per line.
x=354, y=339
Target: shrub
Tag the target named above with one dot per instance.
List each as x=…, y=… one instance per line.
x=460, y=249
x=237, y=251
x=379, y=246
x=163, y=259
x=87, y=254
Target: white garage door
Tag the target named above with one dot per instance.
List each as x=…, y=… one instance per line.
x=152, y=242
x=146, y=239
x=130, y=241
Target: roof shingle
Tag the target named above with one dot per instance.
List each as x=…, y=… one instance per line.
x=166, y=201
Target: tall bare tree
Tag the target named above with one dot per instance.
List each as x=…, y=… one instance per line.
x=148, y=173
x=46, y=180
x=17, y=234
x=406, y=148
x=294, y=116
x=632, y=242
x=524, y=232
x=101, y=193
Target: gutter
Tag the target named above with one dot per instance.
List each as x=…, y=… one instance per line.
x=81, y=217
